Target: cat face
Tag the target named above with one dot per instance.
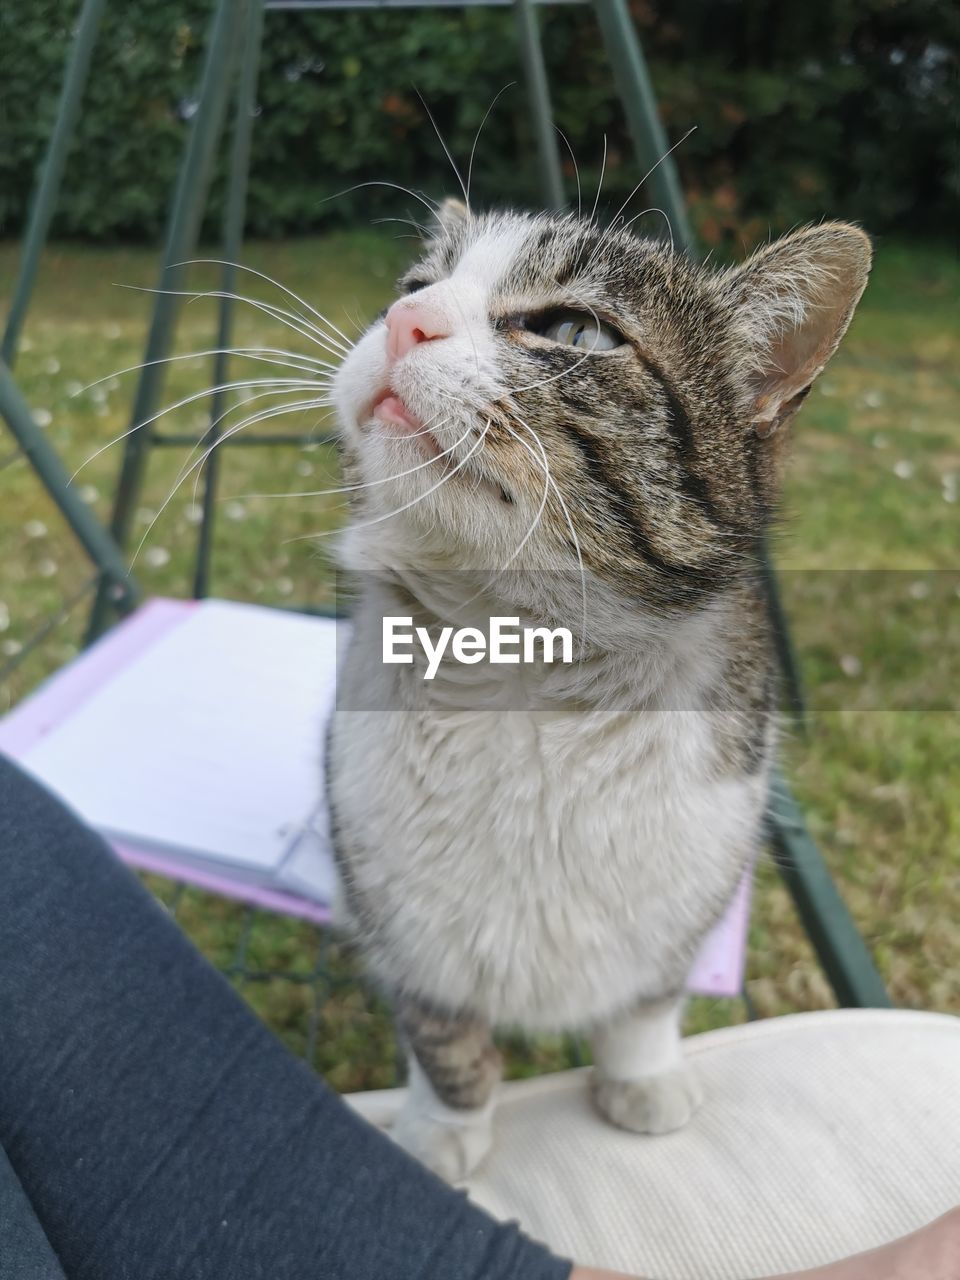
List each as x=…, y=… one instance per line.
x=548, y=395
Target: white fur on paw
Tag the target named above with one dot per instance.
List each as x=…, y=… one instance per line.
x=451, y=1150
x=657, y=1104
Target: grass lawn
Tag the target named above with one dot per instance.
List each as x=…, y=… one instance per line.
x=870, y=548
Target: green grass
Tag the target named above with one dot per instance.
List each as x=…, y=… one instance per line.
x=870, y=544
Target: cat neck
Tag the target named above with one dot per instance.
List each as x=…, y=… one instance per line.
x=622, y=657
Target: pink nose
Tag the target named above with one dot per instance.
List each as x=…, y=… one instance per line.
x=410, y=323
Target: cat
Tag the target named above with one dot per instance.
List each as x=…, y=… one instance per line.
x=585, y=427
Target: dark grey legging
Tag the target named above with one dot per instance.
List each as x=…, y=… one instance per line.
x=155, y=1130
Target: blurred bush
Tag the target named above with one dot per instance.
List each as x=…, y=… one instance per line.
x=840, y=107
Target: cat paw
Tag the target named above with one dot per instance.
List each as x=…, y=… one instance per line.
x=658, y=1104
x=453, y=1151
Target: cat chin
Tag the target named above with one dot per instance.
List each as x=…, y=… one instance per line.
x=417, y=441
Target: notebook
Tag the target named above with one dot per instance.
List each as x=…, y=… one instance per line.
x=192, y=737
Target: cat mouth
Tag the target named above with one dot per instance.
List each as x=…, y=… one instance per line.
x=398, y=420
x=394, y=418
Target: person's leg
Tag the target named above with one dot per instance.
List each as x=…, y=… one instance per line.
x=158, y=1129
x=161, y=1133
x=25, y=1252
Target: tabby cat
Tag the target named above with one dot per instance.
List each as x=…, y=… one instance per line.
x=575, y=426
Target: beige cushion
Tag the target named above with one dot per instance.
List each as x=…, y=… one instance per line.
x=822, y=1134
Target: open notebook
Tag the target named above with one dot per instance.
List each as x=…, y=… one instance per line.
x=192, y=736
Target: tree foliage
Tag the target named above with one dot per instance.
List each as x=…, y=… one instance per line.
x=841, y=107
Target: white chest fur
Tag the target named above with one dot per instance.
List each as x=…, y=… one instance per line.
x=541, y=868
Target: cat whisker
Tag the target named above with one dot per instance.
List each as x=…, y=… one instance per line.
x=368, y=484
x=535, y=522
x=463, y=604
x=240, y=266
x=396, y=186
x=653, y=209
x=295, y=406
x=446, y=149
x=603, y=170
x=473, y=149
x=569, y=524
x=279, y=383
x=311, y=333
x=651, y=170
x=425, y=428
x=422, y=231
x=221, y=440
x=448, y=475
x=576, y=169
x=248, y=353
x=545, y=466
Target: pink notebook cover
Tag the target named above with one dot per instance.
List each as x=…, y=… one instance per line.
x=718, y=970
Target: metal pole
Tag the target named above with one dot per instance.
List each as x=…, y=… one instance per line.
x=182, y=228
x=846, y=961
x=786, y=655
x=233, y=225
x=51, y=173
x=121, y=589
x=649, y=139
x=538, y=90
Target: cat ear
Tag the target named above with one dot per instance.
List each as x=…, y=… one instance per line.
x=793, y=302
x=451, y=214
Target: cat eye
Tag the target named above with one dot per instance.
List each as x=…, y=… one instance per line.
x=415, y=285
x=582, y=330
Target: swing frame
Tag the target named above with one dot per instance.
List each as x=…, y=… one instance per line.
x=229, y=84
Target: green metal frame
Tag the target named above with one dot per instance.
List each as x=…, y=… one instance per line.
x=233, y=225
x=51, y=173
x=112, y=574
x=231, y=61
x=183, y=226
x=538, y=89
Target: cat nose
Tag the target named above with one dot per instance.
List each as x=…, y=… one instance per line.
x=409, y=323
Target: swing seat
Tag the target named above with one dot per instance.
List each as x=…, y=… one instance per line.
x=822, y=1134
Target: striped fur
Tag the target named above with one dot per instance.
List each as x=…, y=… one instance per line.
x=557, y=864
